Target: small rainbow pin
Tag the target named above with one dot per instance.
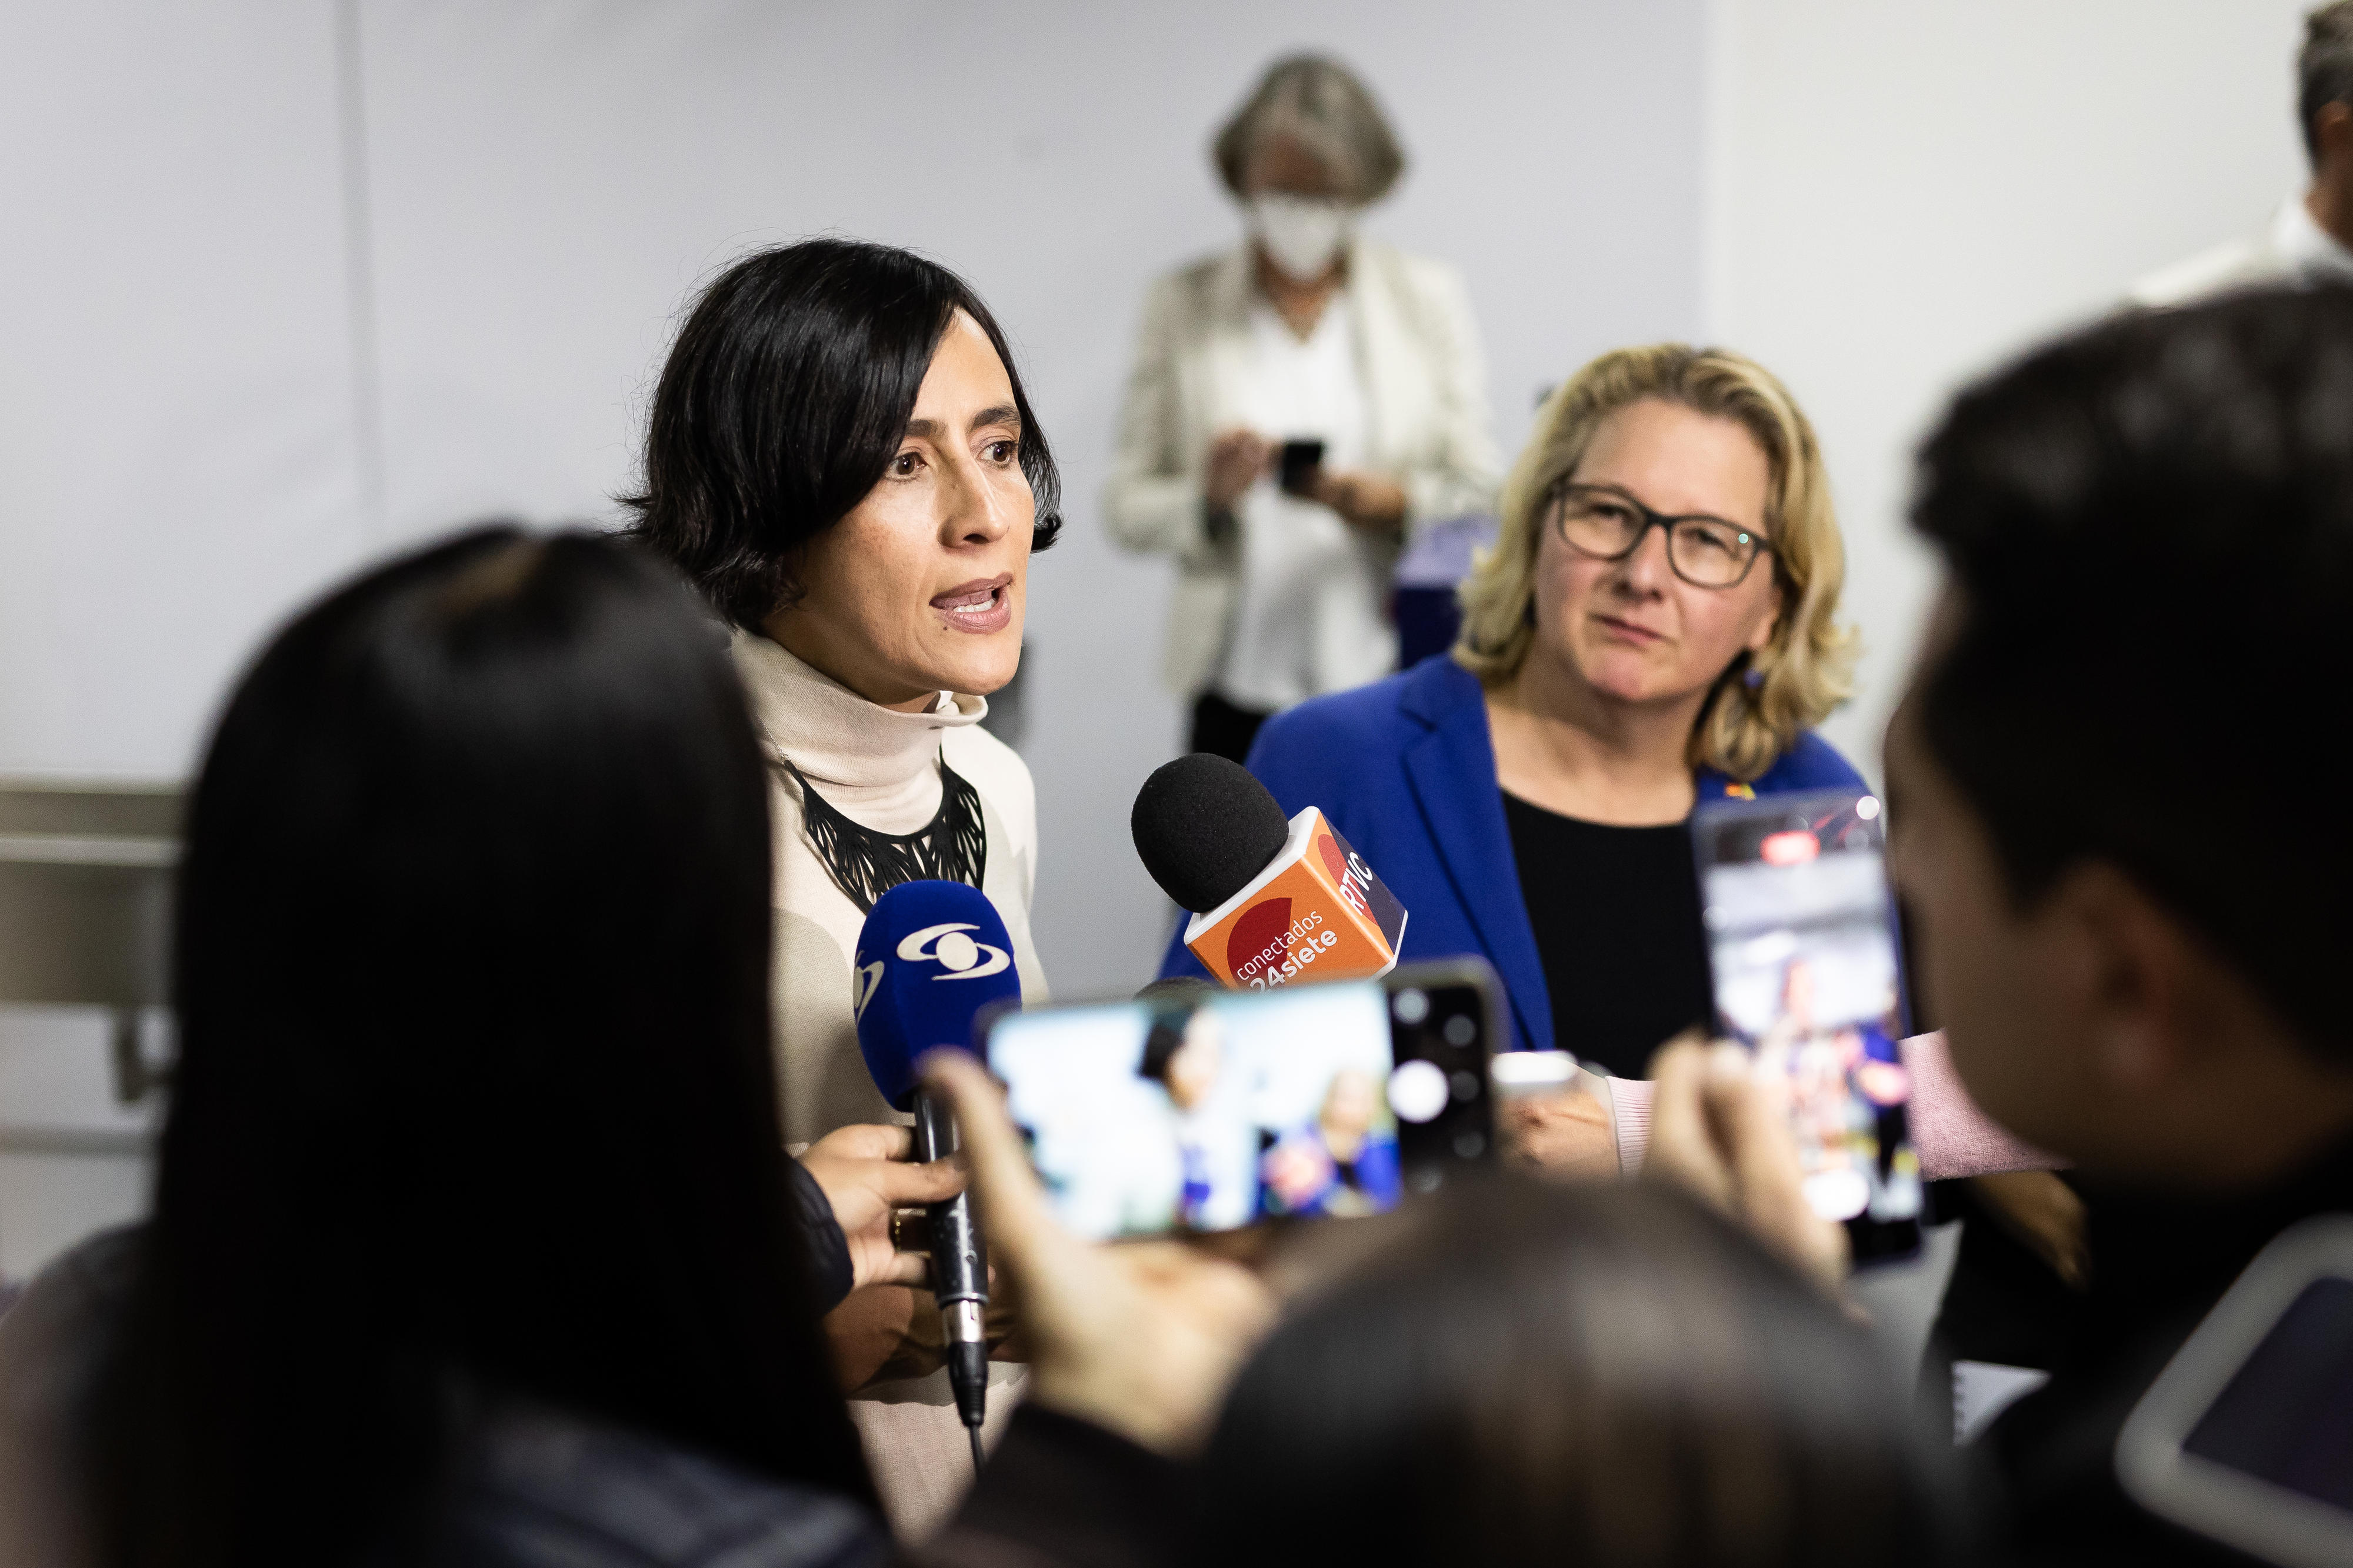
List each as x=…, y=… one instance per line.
x=1739, y=791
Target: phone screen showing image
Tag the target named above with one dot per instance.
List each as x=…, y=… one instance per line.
x=1804, y=954
x=1211, y=1113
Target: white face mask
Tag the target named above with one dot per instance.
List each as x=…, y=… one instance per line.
x=1303, y=235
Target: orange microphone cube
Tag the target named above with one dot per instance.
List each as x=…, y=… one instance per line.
x=1316, y=913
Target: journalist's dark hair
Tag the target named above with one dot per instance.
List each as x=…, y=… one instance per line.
x=474, y=1095
x=2149, y=525
x=1162, y=1041
x=783, y=401
x=1606, y=1376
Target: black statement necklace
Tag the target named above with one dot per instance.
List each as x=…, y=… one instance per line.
x=865, y=864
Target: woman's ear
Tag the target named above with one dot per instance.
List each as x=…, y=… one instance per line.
x=1762, y=637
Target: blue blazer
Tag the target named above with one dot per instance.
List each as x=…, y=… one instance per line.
x=1404, y=769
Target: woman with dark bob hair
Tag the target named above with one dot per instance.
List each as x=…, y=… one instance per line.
x=474, y=1238
x=841, y=457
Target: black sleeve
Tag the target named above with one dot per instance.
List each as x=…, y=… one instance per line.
x=1060, y=1492
x=829, y=1249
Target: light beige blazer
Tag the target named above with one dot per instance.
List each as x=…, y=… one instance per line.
x=1425, y=392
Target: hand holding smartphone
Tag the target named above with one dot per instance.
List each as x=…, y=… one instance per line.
x=1208, y=1113
x=1296, y=470
x=1805, y=960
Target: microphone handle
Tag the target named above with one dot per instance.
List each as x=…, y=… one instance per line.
x=959, y=1257
x=959, y=1269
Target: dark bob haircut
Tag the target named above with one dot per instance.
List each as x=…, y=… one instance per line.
x=782, y=404
x=1600, y=1375
x=474, y=1099
x=2149, y=529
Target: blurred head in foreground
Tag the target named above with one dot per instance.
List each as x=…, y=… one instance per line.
x=474, y=1096
x=2132, y=917
x=1601, y=1376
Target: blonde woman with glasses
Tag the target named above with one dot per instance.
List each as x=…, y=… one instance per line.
x=1655, y=627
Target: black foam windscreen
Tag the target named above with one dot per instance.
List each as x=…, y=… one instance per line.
x=1204, y=826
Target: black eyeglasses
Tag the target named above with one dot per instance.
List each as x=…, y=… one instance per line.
x=1606, y=524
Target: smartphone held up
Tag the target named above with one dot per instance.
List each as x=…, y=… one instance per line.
x=1806, y=964
x=1216, y=1109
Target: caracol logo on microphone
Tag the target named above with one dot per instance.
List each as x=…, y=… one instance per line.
x=963, y=958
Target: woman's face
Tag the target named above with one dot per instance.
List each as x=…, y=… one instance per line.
x=1348, y=1104
x=919, y=590
x=1631, y=630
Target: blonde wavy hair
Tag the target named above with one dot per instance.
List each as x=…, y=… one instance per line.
x=1808, y=668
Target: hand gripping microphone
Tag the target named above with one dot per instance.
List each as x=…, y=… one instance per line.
x=930, y=957
x=1274, y=901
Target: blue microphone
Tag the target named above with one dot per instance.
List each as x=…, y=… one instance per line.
x=930, y=957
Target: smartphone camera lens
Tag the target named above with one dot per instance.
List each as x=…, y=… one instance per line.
x=1410, y=1006
x=1470, y=1145
x=1466, y=1085
x=1459, y=1030
x=1417, y=1090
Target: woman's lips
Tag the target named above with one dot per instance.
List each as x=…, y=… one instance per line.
x=980, y=607
x=1627, y=631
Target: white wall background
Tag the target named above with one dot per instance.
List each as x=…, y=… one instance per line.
x=285, y=285
x=1900, y=196
x=177, y=442
x=217, y=267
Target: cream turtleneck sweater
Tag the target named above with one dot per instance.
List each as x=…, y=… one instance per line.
x=879, y=768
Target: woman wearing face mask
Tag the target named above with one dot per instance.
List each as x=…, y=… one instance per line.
x=1310, y=332
x=1655, y=628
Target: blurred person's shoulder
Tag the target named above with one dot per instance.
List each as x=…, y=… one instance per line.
x=52, y=1332
x=541, y=1486
x=1421, y=281
x=2240, y=263
x=1427, y=273
x=2279, y=252
x=52, y=1342
x=1197, y=286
